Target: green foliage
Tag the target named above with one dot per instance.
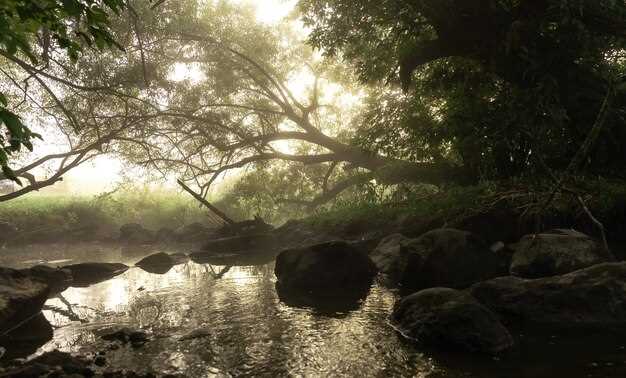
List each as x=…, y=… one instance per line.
x=36, y=30
x=497, y=85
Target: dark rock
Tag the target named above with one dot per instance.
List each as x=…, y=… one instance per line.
x=446, y=258
x=193, y=232
x=196, y=334
x=594, y=297
x=100, y=361
x=21, y=297
x=134, y=233
x=85, y=274
x=324, y=267
x=166, y=235
x=449, y=318
x=254, y=242
x=158, y=263
x=126, y=335
x=555, y=252
x=57, y=279
x=24, y=340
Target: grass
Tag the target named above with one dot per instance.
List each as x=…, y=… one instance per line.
x=152, y=208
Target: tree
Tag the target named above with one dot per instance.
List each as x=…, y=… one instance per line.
x=40, y=31
x=235, y=109
x=512, y=81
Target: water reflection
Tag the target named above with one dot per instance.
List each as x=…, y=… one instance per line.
x=238, y=323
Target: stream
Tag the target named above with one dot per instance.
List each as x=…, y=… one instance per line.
x=216, y=320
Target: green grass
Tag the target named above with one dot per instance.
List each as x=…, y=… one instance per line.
x=151, y=208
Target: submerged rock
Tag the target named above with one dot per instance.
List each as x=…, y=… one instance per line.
x=85, y=274
x=594, y=297
x=158, y=263
x=126, y=335
x=555, y=252
x=451, y=319
x=324, y=267
x=21, y=297
x=53, y=364
x=440, y=258
x=134, y=233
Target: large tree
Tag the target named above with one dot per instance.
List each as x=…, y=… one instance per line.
x=511, y=81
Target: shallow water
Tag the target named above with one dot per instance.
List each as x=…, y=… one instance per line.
x=212, y=320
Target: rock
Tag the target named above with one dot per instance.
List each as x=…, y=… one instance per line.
x=134, y=233
x=166, y=235
x=57, y=279
x=24, y=340
x=85, y=274
x=594, y=297
x=126, y=335
x=442, y=258
x=388, y=256
x=196, y=334
x=193, y=232
x=21, y=297
x=555, y=252
x=159, y=263
x=324, y=267
x=254, y=242
x=449, y=318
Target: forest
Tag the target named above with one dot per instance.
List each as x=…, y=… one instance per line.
x=431, y=188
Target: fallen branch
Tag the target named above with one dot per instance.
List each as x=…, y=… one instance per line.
x=206, y=203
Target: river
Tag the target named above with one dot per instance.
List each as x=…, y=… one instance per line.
x=215, y=320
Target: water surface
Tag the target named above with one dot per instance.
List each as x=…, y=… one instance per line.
x=216, y=320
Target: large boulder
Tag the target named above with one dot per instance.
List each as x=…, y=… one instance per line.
x=21, y=297
x=441, y=258
x=449, y=318
x=555, y=252
x=331, y=266
x=85, y=274
x=134, y=233
x=594, y=297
